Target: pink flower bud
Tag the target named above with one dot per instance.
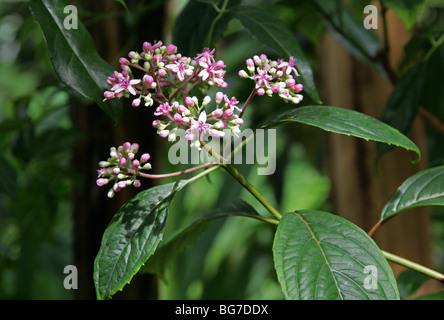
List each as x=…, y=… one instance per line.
x=148, y=80
x=276, y=88
x=220, y=64
x=135, y=163
x=123, y=61
x=164, y=133
x=171, y=48
x=146, y=46
x=145, y=157
x=116, y=170
x=101, y=182
x=135, y=146
x=177, y=118
x=220, y=124
x=239, y=121
x=298, y=87
x=155, y=123
x=290, y=82
x=130, y=155
x=157, y=57
x=250, y=63
x=136, y=102
x=219, y=97
x=228, y=113
x=137, y=184
x=103, y=164
x=218, y=112
x=122, y=161
x=161, y=72
x=109, y=94
x=261, y=91
x=126, y=146
x=189, y=101
x=242, y=74
x=216, y=133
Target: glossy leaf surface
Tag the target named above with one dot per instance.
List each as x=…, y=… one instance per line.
x=319, y=255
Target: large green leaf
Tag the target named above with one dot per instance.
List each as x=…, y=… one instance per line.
x=275, y=34
x=345, y=121
x=131, y=238
x=425, y=188
x=319, y=255
x=158, y=262
x=73, y=55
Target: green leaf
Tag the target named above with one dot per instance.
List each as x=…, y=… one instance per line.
x=425, y=188
x=404, y=101
x=357, y=40
x=159, y=262
x=131, y=238
x=275, y=34
x=73, y=55
x=409, y=281
x=407, y=10
x=345, y=121
x=319, y=255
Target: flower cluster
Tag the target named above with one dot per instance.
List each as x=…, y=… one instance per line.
x=274, y=77
x=192, y=117
x=160, y=75
x=163, y=66
x=122, y=167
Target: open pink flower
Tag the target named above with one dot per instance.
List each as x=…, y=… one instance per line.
x=181, y=68
x=124, y=83
x=262, y=78
x=206, y=56
x=163, y=109
x=198, y=128
x=288, y=67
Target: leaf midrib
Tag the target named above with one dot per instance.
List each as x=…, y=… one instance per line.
x=322, y=251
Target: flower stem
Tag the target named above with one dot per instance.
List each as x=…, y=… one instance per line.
x=414, y=266
x=244, y=182
x=173, y=174
x=250, y=97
